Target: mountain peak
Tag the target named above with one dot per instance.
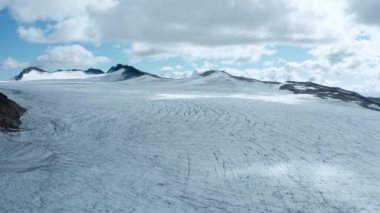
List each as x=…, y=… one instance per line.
x=212, y=72
x=115, y=68
x=228, y=75
x=129, y=71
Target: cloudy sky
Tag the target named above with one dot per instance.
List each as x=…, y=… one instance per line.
x=330, y=42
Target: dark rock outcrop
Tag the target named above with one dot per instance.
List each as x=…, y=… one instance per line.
x=312, y=89
x=377, y=100
x=90, y=71
x=93, y=71
x=28, y=70
x=71, y=70
x=10, y=114
x=331, y=92
x=212, y=72
x=130, y=72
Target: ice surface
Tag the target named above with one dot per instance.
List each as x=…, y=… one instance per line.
x=284, y=98
x=21, y=157
x=35, y=75
x=193, y=145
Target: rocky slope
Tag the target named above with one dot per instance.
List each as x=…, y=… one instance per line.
x=331, y=92
x=10, y=114
x=129, y=72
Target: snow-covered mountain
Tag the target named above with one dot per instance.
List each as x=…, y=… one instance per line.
x=210, y=143
x=34, y=73
x=124, y=72
x=128, y=72
x=29, y=71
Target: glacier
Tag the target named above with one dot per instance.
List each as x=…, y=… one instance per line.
x=205, y=144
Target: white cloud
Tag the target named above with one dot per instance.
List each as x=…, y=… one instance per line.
x=278, y=74
x=227, y=54
x=60, y=57
x=80, y=29
x=366, y=11
x=197, y=22
x=353, y=65
x=32, y=34
x=175, y=72
x=11, y=63
x=228, y=30
x=70, y=56
x=171, y=68
x=29, y=11
x=172, y=27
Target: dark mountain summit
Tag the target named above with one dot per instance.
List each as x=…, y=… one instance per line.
x=116, y=68
x=212, y=72
x=28, y=70
x=130, y=72
x=10, y=113
x=93, y=71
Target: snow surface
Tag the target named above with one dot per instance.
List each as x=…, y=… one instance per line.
x=284, y=98
x=194, y=145
x=35, y=75
x=300, y=87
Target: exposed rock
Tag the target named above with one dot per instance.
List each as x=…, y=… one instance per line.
x=377, y=100
x=130, y=72
x=71, y=70
x=90, y=71
x=93, y=71
x=10, y=114
x=115, y=68
x=211, y=72
x=331, y=92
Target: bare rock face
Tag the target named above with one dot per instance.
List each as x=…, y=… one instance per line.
x=93, y=71
x=331, y=92
x=10, y=114
x=130, y=72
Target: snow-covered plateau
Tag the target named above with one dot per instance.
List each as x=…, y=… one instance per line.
x=209, y=143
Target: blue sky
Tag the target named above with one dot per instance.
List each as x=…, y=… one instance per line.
x=333, y=43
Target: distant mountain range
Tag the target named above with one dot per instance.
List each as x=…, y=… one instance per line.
x=28, y=70
x=125, y=72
